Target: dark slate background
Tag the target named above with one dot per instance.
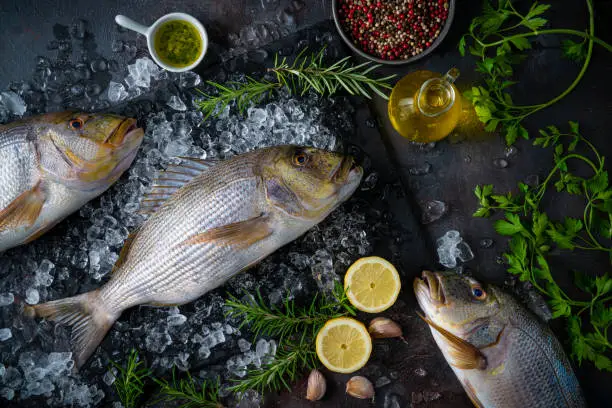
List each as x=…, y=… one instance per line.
x=458, y=164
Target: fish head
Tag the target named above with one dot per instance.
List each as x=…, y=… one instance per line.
x=308, y=183
x=457, y=303
x=87, y=151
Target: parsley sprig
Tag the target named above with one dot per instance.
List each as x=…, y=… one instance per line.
x=499, y=38
x=533, y=236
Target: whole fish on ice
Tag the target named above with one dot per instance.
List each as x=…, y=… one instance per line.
x=501, y=353
x=50, y=165
x=209, y=221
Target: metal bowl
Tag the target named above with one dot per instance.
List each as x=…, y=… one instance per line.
x=347, y=40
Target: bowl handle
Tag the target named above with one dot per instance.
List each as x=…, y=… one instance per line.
x=130, y=24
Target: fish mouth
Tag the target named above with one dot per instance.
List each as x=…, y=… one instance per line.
x=429, y=288
x=125, y=131
x=347, y=169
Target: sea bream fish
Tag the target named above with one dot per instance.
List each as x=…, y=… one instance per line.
x=209, y=221
x=50, y=165
x=502, y=354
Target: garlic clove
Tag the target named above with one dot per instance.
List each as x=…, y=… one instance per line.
x=316, y=386
x=383, y=328
x=360, y=387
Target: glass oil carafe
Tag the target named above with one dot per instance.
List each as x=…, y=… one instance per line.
x=425, y=106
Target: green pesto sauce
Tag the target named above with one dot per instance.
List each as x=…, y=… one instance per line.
x=178, y=43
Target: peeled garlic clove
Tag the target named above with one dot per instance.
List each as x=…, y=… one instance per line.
x=383, y=328
x=316, y=386
x=360, y=387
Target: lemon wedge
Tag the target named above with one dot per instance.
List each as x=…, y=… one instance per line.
x=372, y=284
x=343, y=345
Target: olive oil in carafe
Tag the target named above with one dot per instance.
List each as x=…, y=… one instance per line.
x=424, y=106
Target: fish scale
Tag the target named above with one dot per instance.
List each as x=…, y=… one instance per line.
x=219, y=218
x=49, y=169
x=524, y=363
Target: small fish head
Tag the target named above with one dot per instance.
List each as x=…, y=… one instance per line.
x=87, y=151
x=456, y=302
x=309, y=183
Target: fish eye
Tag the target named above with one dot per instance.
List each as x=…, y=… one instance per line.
x=478, y=292
x=76, y=123
x=300, y=159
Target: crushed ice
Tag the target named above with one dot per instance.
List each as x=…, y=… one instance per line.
x=79, y=253
x=451, y=247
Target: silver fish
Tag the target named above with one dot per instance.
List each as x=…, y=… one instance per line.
x=50, y=165
x=209, y=221
x=501, y=353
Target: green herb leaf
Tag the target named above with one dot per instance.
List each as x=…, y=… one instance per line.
x=511, y=226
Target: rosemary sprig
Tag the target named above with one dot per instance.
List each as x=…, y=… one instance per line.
x=186, y=392
x=282, y=322
x=244, y=93
x=292, y=359
x=499, y=38
x=129, y=383
x=295, y=327
x=304, y=74
x=310, y=73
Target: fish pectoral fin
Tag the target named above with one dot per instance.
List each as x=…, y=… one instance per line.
x=125, y=250
x=23, y=210
x=241, y=234
x=462, y=354
x=171, y=180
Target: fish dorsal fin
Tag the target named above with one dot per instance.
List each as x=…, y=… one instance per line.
x=462, y=354
x=24, y=210
x=171, y=180
x=240, y=234
x=125, y=250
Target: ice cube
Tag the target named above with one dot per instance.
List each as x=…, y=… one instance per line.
x=32, y=296
x=176, y=148
x=486, y=243
x=5, y=334
x=13, y=103
x=110, y=376
x=43, y=275
x=189, y=79
x=382, y=381
x=257, y=116
x=7, y=393
x=116, y=92
x=203, y=352
x=262, y=348
x=176, y=103
x=500, y=163
x=370, y=181
x=463, y=251
x=391, y=401
x=510, y=152
x=176, y=320
x=432, y=211
x=181, y=361
x=421, y=170
x=114, y=237
x=420, y=372
x=244, y=345
x=157, y=340
x=6, y=299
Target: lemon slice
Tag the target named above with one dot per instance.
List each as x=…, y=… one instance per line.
x=372, y=284
x=343, y=345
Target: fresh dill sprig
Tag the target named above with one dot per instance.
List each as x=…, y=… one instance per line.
x=292, y=358
x=304, y=74
x=500, y=38
x=129, y=383
x=287, y=320
x=533, y=234
x=185, y=392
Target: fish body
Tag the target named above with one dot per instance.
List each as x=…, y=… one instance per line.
x=50, y=165
x=208, y=222
x=502, y=354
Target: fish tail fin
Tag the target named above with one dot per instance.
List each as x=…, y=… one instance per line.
x=89, y=321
